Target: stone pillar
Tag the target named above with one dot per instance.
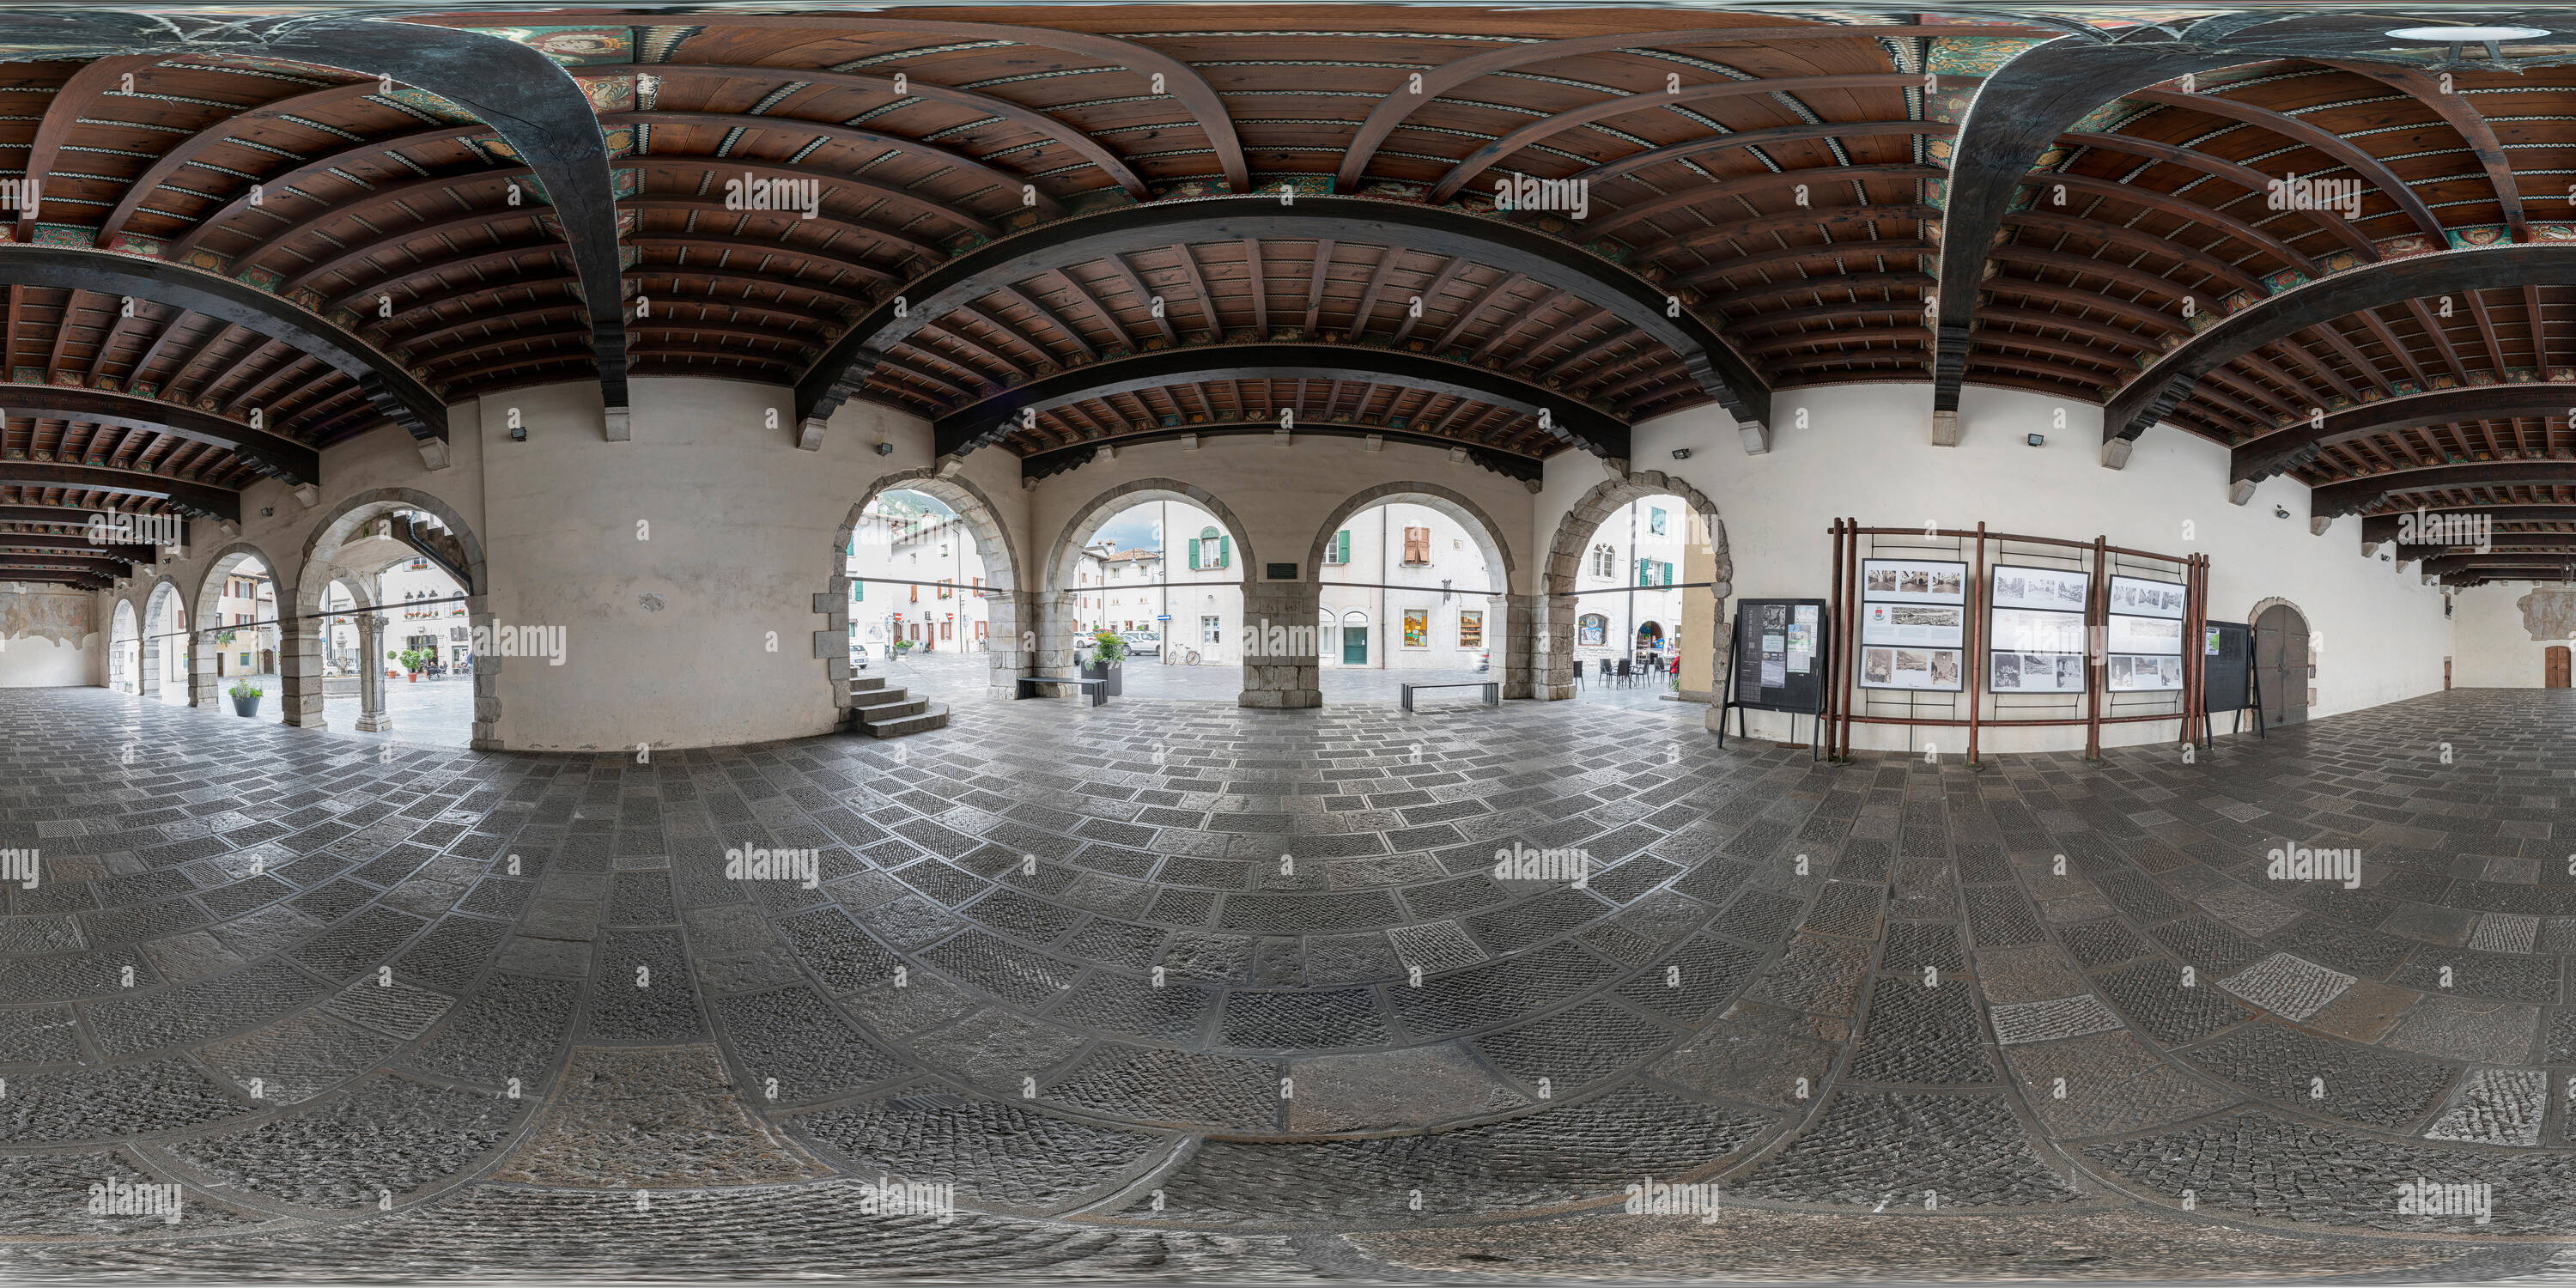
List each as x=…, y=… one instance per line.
x=1521, y=634
x=299, y=672
x=1014, y=617
x=371, y=677
x=1279, y=618
x=487, y=675
x=147, y=669
x=1056, y=632
x=204, y=686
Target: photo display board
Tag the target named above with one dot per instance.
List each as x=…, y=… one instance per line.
x=2142, y=645
x=1779, y=655
x=1913, y=615
x=2035, y=635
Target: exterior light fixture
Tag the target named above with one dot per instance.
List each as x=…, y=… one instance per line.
x=1681, y=453
x=2037, y=440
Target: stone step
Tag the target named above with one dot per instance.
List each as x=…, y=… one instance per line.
x=936, y=717
x=879, y=712
x=866, y=684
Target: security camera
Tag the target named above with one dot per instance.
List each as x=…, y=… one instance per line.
x=885, y=449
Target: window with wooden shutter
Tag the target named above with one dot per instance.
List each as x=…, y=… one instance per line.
x=1417, y=545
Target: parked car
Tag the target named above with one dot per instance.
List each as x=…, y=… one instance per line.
x=858, y=656
x=1142, y=643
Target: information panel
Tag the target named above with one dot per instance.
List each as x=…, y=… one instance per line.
x=1779, y=655
x=1913, y=615
x=2142, y=642
x=2227, y=667
x=2035, y=633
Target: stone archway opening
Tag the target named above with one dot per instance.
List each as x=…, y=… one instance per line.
x=1165, y=576
x=125, y=649
x=1633, y=551
x=1429, y=575
x=387, y=571
x=164, y=667
x=236, y=638
x=1168, y=567
x=925, y=598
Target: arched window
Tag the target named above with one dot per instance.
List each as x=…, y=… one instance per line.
x=1592, y=629
x=1605, y=561
x=1213, y=549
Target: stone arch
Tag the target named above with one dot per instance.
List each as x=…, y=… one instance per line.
x=300, y=651
x=124, y=644
x=1277, y=678
x=161, y=634
x=1517, y=627
x=1010, y=604
x=1554, y=650
x=205, y=621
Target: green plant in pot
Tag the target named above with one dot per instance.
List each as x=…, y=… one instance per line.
x=1108, y=652
x=245, y=698
x=413, y=659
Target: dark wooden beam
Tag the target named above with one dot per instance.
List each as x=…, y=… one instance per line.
x=1570, y=423
x=1046, y=464
x=2154, y=392
x=2352, y=496
x=269, y=453
x=2286, y=449
x=1719, y=371
x=396, y=392
x=191, y=498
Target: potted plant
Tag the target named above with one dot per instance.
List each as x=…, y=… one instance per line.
x=392, y=656
x=1108, y=653
x=413, y=660
x=245, y=698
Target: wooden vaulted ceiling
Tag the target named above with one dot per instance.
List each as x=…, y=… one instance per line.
x=1782, y=176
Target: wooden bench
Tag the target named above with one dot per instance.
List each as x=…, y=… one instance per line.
x=1097, y=689
x=1493, y=690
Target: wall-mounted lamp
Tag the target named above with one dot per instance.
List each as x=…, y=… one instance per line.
x=2280, y=512
x=2037, y=440
x=1681, y=453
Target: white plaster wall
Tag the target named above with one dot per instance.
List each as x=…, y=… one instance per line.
x=31, y=661
x=668, y=638
x=1864, y=452
x=2496, y=650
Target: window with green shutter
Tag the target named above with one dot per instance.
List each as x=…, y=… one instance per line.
x=1339, y=552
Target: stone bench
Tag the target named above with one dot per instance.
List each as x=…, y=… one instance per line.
x=1493, y=690
x=1098, y=689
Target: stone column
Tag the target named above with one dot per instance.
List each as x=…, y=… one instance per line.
x=1279, y=649
x=371, y=677
x=487, y=672
x=1013, y=616
x=1521, y=631
x=1056, y=631
x=147, y=671
x=299, y=672
x=1552, y=648
x=204, y=686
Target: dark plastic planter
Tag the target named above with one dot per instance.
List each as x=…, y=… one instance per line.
x=246, y=706
x=1110, y=671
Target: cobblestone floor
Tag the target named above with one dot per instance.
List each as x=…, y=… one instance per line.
x=1173, y=990
x=955, y=675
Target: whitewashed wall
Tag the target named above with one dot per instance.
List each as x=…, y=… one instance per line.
x=2496, y=650
x=1864, y=452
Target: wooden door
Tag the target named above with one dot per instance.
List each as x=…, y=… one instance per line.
x=1355, y=646
x=2556, y=677
x=2281, y=656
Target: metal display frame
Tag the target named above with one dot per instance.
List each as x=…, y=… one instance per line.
x=2098, y=559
